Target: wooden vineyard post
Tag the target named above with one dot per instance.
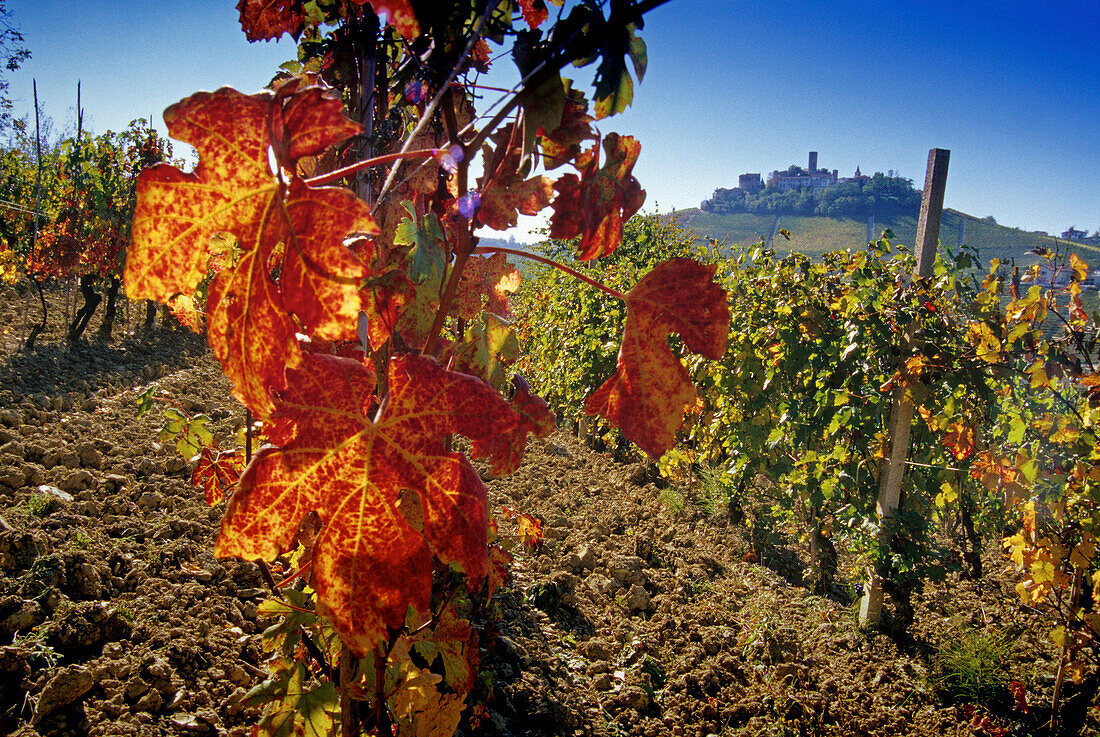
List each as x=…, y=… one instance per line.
x=901, y=414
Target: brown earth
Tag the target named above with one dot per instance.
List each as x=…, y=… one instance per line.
x=639, y=615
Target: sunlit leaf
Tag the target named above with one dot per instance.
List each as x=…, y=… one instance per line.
x=650, y=390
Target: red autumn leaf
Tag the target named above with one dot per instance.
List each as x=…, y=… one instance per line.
x=959, y=439
x=265, y=20
x=484, y=285
x=399, y=14
x=563, y=144
x=650, y=390
x=535, y=418
x=1019, y=694
x=233, y=191
x=535, y=12
x=528, y=527
x=351, y=465
x=384, y=299
x=215, y=473
x=504, y=191
x=184, y=310
x=595, y=206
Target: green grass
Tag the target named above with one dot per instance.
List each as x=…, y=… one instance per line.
x=816, y=235
x=972, y=666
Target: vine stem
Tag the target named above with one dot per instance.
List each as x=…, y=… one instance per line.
x=332, y=176
x=550, y=262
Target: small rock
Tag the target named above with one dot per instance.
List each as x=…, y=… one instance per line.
x=78, y=480
x=587, y=557
x=67, y=686
x=596, y=649
x=12, y=477
x=90, y=457
x=602, y=682
x=150, y=702
x=627, y=570
x=151, y=500
x=56, y=494
x=191, y=723
x=637, y=599
x=601, y=585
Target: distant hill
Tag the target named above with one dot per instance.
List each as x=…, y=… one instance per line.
x=816, y=235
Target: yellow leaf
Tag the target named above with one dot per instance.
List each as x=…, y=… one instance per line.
x=1058, y=636
x=1042, y=571
x=1080, y=268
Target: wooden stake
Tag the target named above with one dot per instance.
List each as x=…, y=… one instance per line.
x=901, y=414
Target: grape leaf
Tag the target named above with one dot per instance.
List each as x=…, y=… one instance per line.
x=399, y=14
x=453, y=641
x=535, y=12
x=650, y=389
x=504, y=191
x=418, y=708
x=614, y=87
x=265, y=20
x=370, y=561
x=233, y=190
x=490, y=344
x=536, y=419
x=215, y=473
x=595, y=206
x=562, y=144
x=424, y=236
x=484, y=285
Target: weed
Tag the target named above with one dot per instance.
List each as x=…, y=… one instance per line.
x=672, y=499
x=714, y=493
x=972, y=666
x=39, y=654
x=39, y=505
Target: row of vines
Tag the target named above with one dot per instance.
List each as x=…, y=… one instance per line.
x=66, y=210
x=793, y=420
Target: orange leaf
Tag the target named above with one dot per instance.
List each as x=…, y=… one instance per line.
x=233, y=190
x=563, y=144
x=372, y=559
x=215, y=473
x=595, y=206
x=484, y=285
x=650, y=390
x=535, y=417
x=504, y=191
x=265, y=20
x=399, y=14
x=959, y=439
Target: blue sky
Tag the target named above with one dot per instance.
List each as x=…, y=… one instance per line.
x=1012, y=88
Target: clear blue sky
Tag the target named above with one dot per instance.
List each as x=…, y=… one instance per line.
x=1011, y=87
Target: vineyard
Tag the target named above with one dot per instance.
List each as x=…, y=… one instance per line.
x=340, y=468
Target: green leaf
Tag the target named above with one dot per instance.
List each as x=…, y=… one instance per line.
x=426, y=257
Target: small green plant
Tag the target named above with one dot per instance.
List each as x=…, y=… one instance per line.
x=714, y=494
x=672, y=499
x=972, y=666
x=39, y=654
x=38, y=505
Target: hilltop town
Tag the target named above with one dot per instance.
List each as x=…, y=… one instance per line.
x=816, y=191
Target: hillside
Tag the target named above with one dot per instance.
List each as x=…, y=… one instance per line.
x=814, y=235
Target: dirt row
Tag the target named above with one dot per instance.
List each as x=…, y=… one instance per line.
x=643, y=613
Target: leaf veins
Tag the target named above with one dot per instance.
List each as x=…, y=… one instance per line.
x=233, y=190
x=647, y=395
x=372, y=560
x=595, y=206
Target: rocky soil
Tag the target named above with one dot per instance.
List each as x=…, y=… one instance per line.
x=644, y=612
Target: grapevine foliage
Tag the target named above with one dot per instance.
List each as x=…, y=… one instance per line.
x=794, y=419
x=366, y=328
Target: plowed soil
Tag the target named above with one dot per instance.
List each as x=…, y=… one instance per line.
x=645, y=612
